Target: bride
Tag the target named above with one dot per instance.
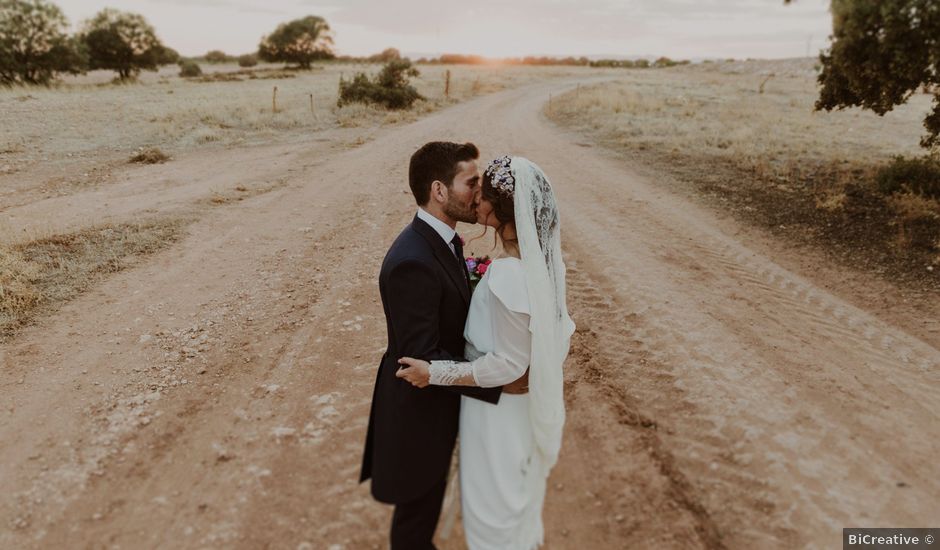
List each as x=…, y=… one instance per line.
x=518, y=323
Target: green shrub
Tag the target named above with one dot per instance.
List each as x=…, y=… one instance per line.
x=189, y=68
x=217, y=56
x=917, y=175
x=625, y=63
x=390, y=88
x=247, y=60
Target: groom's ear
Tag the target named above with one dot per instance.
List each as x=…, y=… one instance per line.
x=438, y=191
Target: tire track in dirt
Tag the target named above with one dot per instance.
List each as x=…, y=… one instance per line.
x=762, y=382
x=600, y=348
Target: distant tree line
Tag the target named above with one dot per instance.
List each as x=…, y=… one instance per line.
x=457, y=59
x=36, y=47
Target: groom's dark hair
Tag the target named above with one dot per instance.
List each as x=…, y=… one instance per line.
x=437, y=161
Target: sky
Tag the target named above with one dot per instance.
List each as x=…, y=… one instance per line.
x=681, y=29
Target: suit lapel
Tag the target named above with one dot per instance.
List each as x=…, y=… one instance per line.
x=444, y=256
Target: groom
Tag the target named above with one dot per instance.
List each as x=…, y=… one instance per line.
x=425, y=291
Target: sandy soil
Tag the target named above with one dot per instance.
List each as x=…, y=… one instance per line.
x=216, y=396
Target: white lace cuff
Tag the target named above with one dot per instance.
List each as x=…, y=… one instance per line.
x=447, y=373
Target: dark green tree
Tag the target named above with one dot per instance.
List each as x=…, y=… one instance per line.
x=167, y=56
x=247, y=60
x=386, y=55
x=883, y=52
x=301, y=41
x=122, y=42
x=217, y=56
x=34, y=46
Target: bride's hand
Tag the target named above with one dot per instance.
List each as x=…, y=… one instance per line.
x=414, y=371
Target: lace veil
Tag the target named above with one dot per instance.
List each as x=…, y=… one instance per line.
x=538, y=232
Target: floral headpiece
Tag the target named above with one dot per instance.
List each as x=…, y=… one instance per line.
x=500, y=174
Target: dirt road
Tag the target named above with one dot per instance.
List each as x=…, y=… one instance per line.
x=216, y=396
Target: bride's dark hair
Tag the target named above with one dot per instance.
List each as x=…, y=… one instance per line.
x=503, y=206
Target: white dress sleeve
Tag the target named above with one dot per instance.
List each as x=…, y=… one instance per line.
x=512, y=341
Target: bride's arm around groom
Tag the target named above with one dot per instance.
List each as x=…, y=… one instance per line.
x=506, y=333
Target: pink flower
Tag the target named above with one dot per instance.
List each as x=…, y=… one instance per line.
x=481, y=269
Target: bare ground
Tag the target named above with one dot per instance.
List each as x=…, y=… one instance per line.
x=216, y=395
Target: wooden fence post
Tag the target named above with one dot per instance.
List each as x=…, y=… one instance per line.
x=762, y=84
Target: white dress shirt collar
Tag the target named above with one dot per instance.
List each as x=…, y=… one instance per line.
x=440, y=227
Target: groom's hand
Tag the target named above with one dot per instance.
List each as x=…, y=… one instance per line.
x=518, y=387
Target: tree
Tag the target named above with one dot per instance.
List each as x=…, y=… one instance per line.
x=664, y=62
x=882, y=52
x=34, y=46
x=167, y=56
x=217, y=56
x=300, y=41
x=388, y=54
x=122, y=42
x=247, y=60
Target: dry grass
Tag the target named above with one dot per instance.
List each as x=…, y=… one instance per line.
x=18, y=294
x=149, y=155
x=917, y=220
x=767, y=155
x=45, y=272
x=831, y=201
x=87, y=121
x=700, y=110
x=246, y=74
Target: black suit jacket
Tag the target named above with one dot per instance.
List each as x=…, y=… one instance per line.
x=411, y=435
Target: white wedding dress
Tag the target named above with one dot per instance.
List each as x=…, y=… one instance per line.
x=500, y=509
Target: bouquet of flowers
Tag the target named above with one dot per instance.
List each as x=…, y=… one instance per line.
x=477, y=267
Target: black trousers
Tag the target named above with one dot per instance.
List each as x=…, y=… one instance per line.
x=413, y=523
